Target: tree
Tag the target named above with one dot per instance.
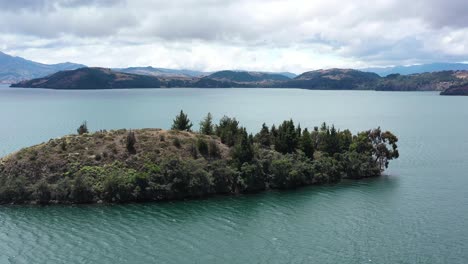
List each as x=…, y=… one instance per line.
x=264, y=137
x=332, y=141
x=182, y=122
x=287, y=139
x=380, y=145
x=385, y=147
x=306, y=144
x=83, y=128
x=130, y=142
x=206, y=126
x=228, y=130
x=243, y=151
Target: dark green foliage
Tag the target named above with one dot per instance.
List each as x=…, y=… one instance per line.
x=81, y=188
x=206, y=126
x=291, y=171
x=251, y=178
x=358, y=165
x=306, y=144
x=224, y=177
x=228, y=130
x=182, y=122
x=243, y=151
x=83, y=128
x=202, y=146
x=327, y=170
x=264, y=137
x=213, y=149
x=287, y=138
x=130, y=142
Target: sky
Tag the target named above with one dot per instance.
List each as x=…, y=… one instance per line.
x=260, y=35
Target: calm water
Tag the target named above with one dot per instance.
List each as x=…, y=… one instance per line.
x=416, y=214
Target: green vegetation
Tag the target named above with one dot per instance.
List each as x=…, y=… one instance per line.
x=152, y=164
x=182, y=122
x=206, y=126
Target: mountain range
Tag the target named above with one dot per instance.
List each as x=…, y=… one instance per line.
x=421, y=68
x=14, y=69
x=331, y=79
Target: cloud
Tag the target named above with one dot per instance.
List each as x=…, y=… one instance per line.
x=212, y=34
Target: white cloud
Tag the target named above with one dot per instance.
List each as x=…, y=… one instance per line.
x=293, y=35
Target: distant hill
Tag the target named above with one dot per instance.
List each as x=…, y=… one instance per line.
x=15, y=69
x=161, y=72
x=429, y=81
x=456, y=90
x=102, y=78
x=334, y=79
x=247, y=76
x=92, y=78
x=405, y=70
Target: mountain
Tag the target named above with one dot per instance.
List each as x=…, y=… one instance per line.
x=334, y=79
x=247, y=76
x=15, y=69
x=429, y=81
x=422, y=68
x=331, y=79
x=102, y=78
x=290, y=75
x=92, y=78
x=161, y=72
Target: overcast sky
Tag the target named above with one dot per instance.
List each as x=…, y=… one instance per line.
x=289, y=35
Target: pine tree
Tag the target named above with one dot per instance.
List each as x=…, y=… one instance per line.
x=287, y=139
x=243, y=151
x=264, y=137
x=182, y=122
x=306, y=144
x=206, y=126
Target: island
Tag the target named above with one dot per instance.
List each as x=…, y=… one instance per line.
x=142, y=165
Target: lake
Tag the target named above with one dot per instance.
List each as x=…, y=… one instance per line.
x=416, y=213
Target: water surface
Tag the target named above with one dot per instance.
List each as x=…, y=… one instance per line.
x=418, y=213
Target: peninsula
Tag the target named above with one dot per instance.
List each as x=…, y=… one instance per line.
x=152, y=164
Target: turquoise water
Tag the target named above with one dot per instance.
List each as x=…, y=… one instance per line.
x=418, y=213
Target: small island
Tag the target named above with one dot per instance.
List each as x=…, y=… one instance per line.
x=143, y=165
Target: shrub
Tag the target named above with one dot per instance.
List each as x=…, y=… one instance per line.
x=202, y=146
x=177, y=142
x=213, y=149
x=130, y=142
x=224, y=176
x=83, y=128
x=251, y=178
